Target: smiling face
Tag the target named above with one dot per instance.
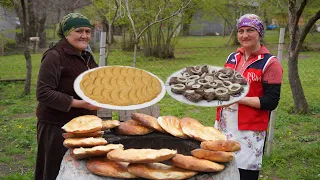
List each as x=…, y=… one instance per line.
x=79, y=38
x=249, y=37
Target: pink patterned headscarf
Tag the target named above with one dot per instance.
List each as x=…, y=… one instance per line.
x=251, y=20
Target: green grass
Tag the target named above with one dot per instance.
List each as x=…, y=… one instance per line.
x=296, y=147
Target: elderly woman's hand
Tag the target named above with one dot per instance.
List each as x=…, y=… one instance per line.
x=83, y=104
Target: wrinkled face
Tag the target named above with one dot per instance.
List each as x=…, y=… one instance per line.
x=248, y=37
x=79, y=38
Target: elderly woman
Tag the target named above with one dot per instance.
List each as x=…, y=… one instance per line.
x=58, y=102
x=247, y=120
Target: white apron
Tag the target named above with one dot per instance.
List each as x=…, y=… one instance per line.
x=250, y=155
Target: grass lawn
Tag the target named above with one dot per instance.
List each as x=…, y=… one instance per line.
x=296, y=147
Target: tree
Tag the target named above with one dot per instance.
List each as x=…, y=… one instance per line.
x=297, y=38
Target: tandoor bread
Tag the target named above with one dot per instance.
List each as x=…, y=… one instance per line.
x=141, y=155
x=190, y=122
x=171, y=124
x=84, y=142
x=83, y=124
x=132, y=127
x=120, y=86
x=196, y=164
x=79, y=135
x=159, y=171
x=105, y=167
x=148, y=121
x=221, y=145
x=81, y=153
x=109, y=124
x=204, y=133
x=216, y=156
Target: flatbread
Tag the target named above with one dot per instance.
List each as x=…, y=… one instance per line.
x=81, y=153
x=105, y=167
x=141, y=155
x=132, y=127
x=216, y=156
x=79, y=135
x=171, y=124
x=221, y=145
x=84, y=142
x=196, y=164
x=83, y=124
x=148, y=121
x=188, y=121
x=204, y=133
x=109, y=124
x=159, y=171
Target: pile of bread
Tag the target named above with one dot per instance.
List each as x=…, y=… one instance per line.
x=113, y=160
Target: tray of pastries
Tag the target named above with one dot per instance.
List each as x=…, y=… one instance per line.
x=119, y=87
x=207, y=86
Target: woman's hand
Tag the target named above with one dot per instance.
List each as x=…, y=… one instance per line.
x=83, y=104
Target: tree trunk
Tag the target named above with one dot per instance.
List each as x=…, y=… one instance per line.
x=42, y=32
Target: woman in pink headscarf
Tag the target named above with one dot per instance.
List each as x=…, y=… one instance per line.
x=247, y=120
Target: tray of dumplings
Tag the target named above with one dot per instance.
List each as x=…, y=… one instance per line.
x=208, y=86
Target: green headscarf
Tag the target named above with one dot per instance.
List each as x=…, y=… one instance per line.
x=70, y=22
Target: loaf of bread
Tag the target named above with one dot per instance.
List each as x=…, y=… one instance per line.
x=141, y=155
x=79, y=135
x=171, y=124
x=216, y=156
x=190, y=122
x=105, y=167
x=148, y=121
x=196, y=164
x=159, y=171
x=84, y=142
x=221, y=145
x=109, y=124
x=83, y=124
x=132, y=127
x=204, y=133
x=81, y=153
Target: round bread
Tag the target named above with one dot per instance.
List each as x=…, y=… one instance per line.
x=79, y=135
x=171, y=124
x=196, y=164
x=84, y=142
x=148, y=121
x=132, y=127
x=81, y=153
x=105, y=167
x=188, y=121
x=221, y=145
x=141, y=155
x=204, y=133
x=216, y=156
x=159, y=171
x=83, y=124
x=109, y=124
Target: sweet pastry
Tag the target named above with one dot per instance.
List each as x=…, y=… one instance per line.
x=203, y=133
x=81, y=153
x=159, y=171
x=171, y=124
x=105, y=167
x=120, y=85
x=83, y=124
x=109, y=124
x=132, y=127
x=148, y=121
x=221, y=145
x=80, y=135
x=196, y=164
x=141, y=155
x=216, y=156
x=84, y=142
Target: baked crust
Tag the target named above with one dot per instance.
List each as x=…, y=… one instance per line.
x=109, y=124
x=132, y=127
x=83, y=124
x=105, y=167
x=196, y=164
x=159, y=171
x=216, y=156
x=84, y=142
x=204, y=133
x=141, y=155
x=81, y=153
x=148, y=121
x=188, y=121
x=171, y=124
x=78, y=135
x=221, y=145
